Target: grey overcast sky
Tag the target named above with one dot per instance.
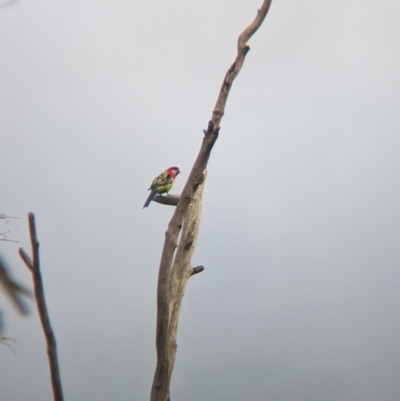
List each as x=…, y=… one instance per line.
x=301, y=224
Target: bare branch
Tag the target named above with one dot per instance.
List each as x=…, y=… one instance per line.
x=27, y=260
x=4, y=235
x=14, y=290
x=197, y=270
x=5, y=217
x=252, y=28
x=34, y=266
x=171, y=200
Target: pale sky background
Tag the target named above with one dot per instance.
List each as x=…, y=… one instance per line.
x=300, y=234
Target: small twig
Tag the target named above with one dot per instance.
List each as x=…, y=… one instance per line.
x=27, y=260
x=5, y=217
x=197, y=269
x=4, y=235
x=6, y=341
x=34, y=266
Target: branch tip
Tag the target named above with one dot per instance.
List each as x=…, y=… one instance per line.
x=197, y=270
x=32, y=230
x=26, y=259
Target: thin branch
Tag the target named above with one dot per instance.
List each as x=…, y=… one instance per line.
x=4, y=216
x=13, y=290
x=27, y=260
x=34, y=266
x=252, y=28
x=4, y=235
x=6, y=341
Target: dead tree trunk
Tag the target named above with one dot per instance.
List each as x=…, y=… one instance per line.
x=175, y=268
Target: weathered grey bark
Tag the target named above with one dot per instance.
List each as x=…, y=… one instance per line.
x=34, y=266
x=175, y=269
x=171, y=200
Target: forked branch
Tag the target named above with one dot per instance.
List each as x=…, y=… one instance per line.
x=34, y=267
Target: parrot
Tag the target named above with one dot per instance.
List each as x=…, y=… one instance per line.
x=162, y=183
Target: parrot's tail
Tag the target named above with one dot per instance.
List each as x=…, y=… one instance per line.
x=150, y=198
